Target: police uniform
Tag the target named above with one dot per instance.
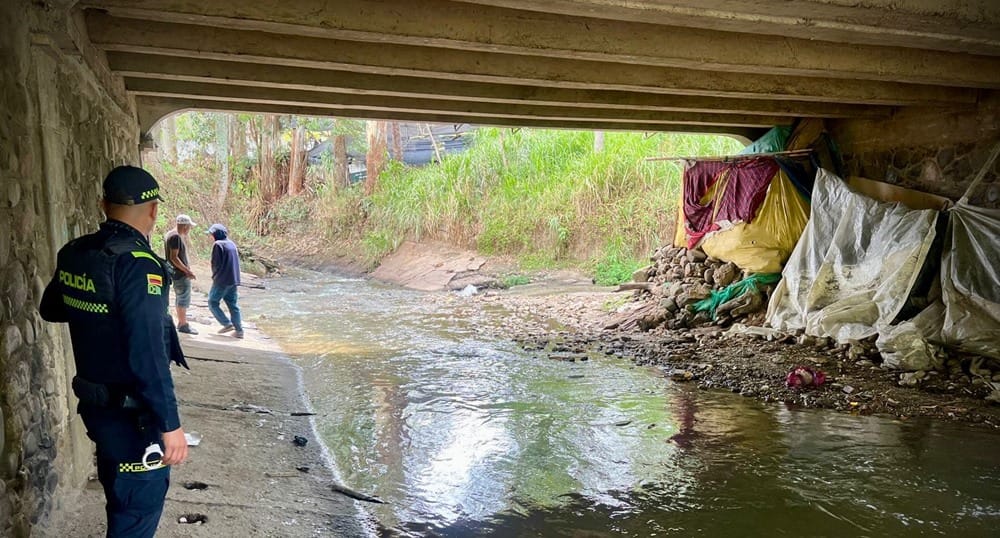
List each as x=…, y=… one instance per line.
x=110, y=287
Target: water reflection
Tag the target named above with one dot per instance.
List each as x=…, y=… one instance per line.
x=468, y=436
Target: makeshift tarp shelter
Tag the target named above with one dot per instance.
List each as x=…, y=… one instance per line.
x=763, y=244
x=854, y=266
x=859, y=259
x=749, y=209
x=967, y=315
x=970, y=281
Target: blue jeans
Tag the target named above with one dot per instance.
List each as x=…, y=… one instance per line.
x=230, y=296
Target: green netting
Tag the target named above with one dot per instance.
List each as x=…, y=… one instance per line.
x=734, y=290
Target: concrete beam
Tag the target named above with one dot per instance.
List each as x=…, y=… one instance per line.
x=116, y=34
x=451, y=25
x=152, y=109
x=477, y=112
x=971, y=26
x=298, y=78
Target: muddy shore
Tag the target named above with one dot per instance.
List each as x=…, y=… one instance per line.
x=566, y=323
x=247, y=476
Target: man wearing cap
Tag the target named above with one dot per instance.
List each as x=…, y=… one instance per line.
x=225, y=279
x=175, y=245
x=108, y=286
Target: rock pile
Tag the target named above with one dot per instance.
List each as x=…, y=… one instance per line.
x=677, y=279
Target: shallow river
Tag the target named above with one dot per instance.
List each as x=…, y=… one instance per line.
x=464, y=434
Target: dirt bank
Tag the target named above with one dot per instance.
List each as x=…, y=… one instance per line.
x=564, y=319
x=240, y=397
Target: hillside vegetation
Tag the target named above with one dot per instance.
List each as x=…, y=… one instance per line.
x=541, y=198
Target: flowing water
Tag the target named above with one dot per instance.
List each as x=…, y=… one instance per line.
x=464, y=434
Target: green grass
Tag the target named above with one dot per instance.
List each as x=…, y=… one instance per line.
x=509, y=281
x=543, y=197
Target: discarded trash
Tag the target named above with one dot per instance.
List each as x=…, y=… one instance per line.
x=193, y=519
x=195, y=485
x=251, y=408
x=301, y=414
x=300, y=441
x=468, y=291
x=623, y=423
x=192, y=438
x=995, y=395
x=911, y=379
x=803, y=376
x=355, y=495
x=302, y=469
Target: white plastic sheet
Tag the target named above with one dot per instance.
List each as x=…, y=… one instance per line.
x=970, y=280
x=908, y=345
x=853, y=268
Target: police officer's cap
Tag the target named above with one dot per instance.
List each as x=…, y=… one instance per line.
x=130, y=185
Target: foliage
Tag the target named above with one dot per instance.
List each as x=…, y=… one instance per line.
x=542, y=196
x=509, y=281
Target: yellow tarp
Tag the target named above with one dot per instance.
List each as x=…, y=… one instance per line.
x=763, y=245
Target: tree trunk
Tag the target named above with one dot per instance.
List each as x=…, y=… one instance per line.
x=270, y=136
x=397, y=142
x=236, y=154
x=168, y=144
x=341, y=173
x=376, y=158
x=297, y=162
x=598, y=141
x=437, y=151
x=222, y=156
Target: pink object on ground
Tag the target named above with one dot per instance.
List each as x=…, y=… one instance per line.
x=803, y=376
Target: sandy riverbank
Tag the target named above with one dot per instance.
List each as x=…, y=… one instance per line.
x=239, y=396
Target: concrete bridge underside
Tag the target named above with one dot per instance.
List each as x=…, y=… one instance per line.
x=692, y=65
x=908, y=90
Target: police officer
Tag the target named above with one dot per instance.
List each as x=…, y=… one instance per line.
x=111, y=289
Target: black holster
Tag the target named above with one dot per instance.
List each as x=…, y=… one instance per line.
x=104, y=396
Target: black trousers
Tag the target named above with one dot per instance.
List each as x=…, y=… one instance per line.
x=134, y=494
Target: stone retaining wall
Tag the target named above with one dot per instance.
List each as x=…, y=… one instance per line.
x=64, y=125
x=927, y=150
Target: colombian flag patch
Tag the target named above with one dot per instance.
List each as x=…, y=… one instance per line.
x=154, y=284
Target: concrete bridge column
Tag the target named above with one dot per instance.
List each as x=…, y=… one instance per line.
x=64, y=124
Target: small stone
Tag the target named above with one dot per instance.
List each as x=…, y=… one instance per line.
x=681, y=375
x=29, y=443
x=909, y=379
x=11, y=339
x=14, y=193
x=300, y=441
x=696, y=255
x=17, y=288
x=641, y=275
